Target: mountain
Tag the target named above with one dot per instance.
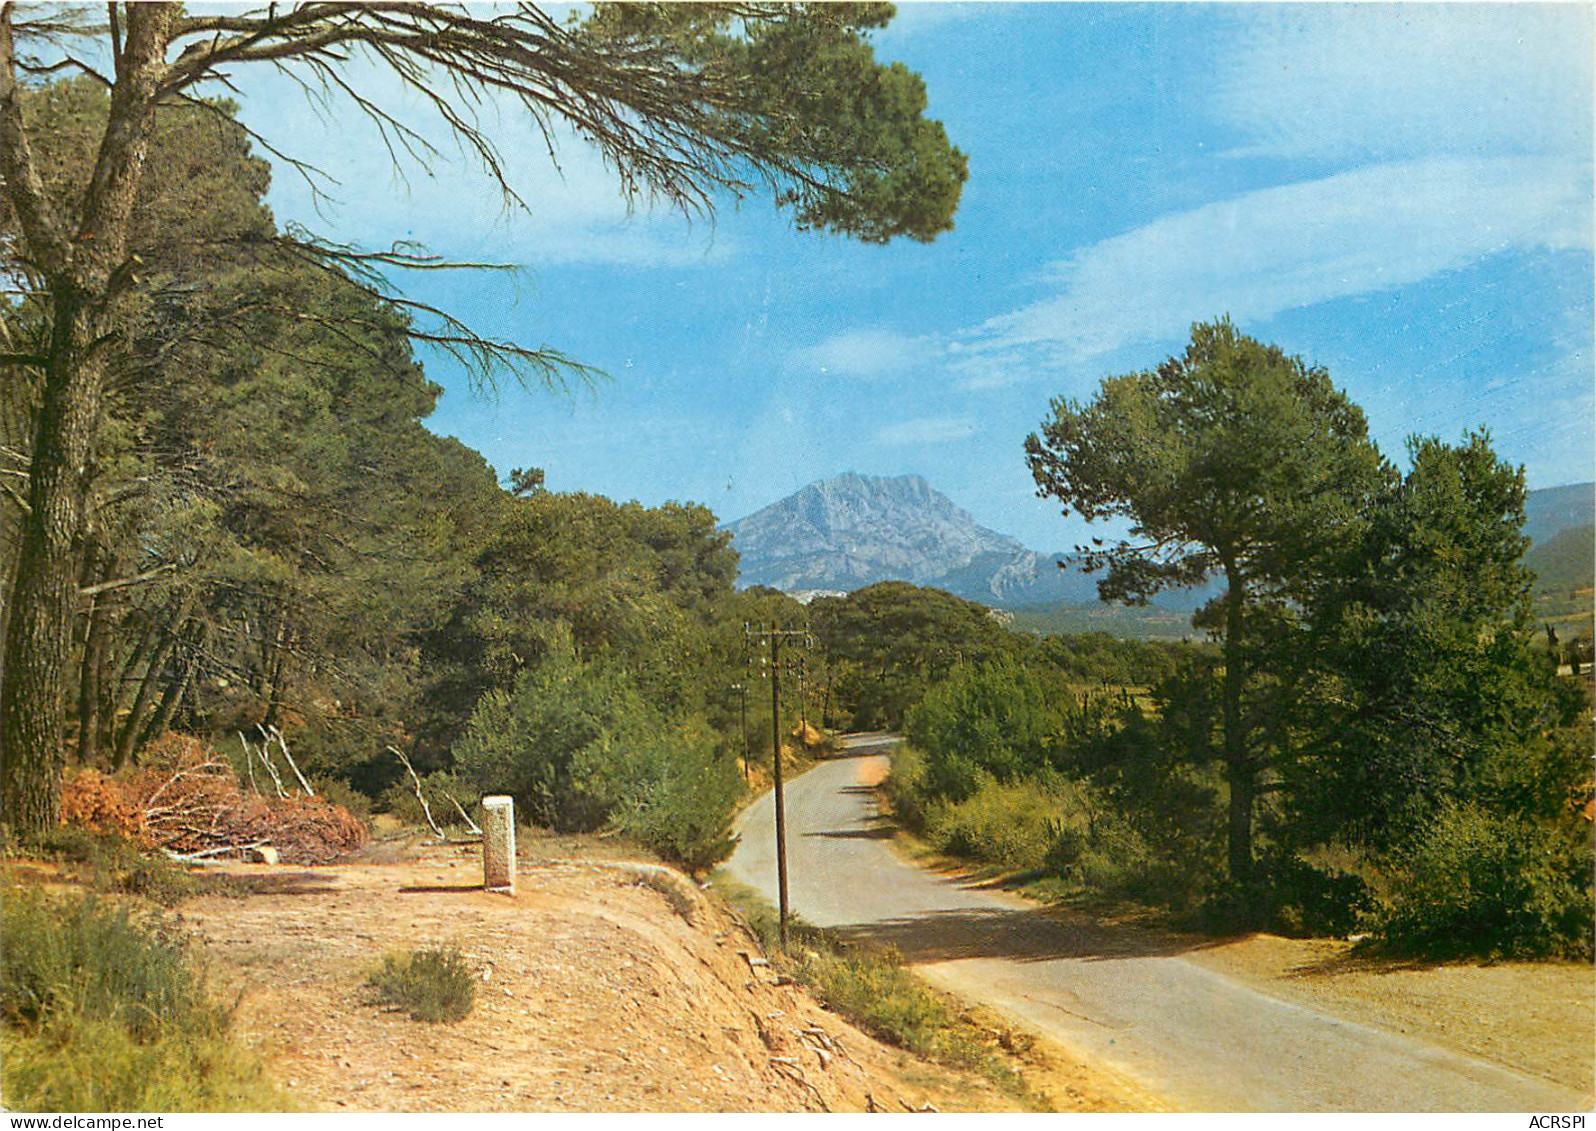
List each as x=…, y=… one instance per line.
x=1564, y=562
x=1553, y=510
x=855, y=530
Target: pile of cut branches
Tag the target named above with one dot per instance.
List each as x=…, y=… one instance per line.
x=187, y=801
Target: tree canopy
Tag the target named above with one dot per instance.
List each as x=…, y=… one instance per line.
x=686, y=104
x=1232, y=460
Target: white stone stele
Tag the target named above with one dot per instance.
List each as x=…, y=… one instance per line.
x=498, y=844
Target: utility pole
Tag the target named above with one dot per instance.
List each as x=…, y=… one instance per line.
x=774, y=636
x=803, y=713
x=742, y=691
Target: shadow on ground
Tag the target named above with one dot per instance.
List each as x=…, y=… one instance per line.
x=1020, y=934
x=285, y=883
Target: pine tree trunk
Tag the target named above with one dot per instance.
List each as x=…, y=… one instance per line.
x=176, y=688
x=134, y=728
x=38, y=646
x=1238, y=762
x=84, y=266
x=91, y=676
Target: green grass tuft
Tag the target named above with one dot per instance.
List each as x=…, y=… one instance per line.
x=102, y=1011
x=107, y=862
x=431, y=985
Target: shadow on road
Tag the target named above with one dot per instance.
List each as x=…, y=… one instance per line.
x=877, y=832
x=1020, y=934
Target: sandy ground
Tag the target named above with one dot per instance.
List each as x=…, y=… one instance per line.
x=597, y=993
x=1538, y=1018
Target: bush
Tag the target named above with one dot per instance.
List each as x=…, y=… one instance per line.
x=678, y=797
x=905, y=786
x=537, y=741
x=431, y=985
x=992, y=721
x=102, y=1011
x=1478, y=883
x=109, y=862
x=579, y=748
x=1057, y=825
x=78, y=956
x=438, y=786
x=1014, y=825
x=1316, y=897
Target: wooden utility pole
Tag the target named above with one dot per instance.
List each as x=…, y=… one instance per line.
x=742, y=691
x=774, y=637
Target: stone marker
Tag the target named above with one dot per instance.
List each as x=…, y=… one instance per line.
x=498, y=844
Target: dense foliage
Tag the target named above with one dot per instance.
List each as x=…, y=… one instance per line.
x=240, y=403
x=277, y=541
x=1377, y=739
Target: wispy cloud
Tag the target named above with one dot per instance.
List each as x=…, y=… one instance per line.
x=1368, y=81
x=1253, y=256
x=870, y=353
x=926, y=430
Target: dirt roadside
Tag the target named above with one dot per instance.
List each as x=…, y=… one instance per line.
x=1537, y=1018
x=598, y=992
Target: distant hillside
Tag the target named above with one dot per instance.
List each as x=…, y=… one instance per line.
x=1561, y=523
x=1566, y=562
x=1553, y=510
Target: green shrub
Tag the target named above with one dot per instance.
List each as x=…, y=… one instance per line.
x=995, y=720
x=1478, y=883
x=905, y=786
x=1316, y=898
x=111, y=863
x=102, y=1011
x=81, y=957
x=75, y=1063
x=678, y=796
x=1013, y=825
x=340, y=792
x=438, y=787
x=579, y=748
x=431, y=985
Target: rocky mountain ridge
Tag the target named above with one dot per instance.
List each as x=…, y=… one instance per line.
x=853, y=530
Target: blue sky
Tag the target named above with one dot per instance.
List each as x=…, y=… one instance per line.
x=1400, y=193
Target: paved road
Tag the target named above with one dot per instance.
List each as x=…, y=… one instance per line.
x=1184, y=1032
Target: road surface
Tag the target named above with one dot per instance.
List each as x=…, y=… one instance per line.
x=1182, y=1031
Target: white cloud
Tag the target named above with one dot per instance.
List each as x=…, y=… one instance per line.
x=870, y=353
x=1372, y=229
x=1402, y=80
x=926, y=430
